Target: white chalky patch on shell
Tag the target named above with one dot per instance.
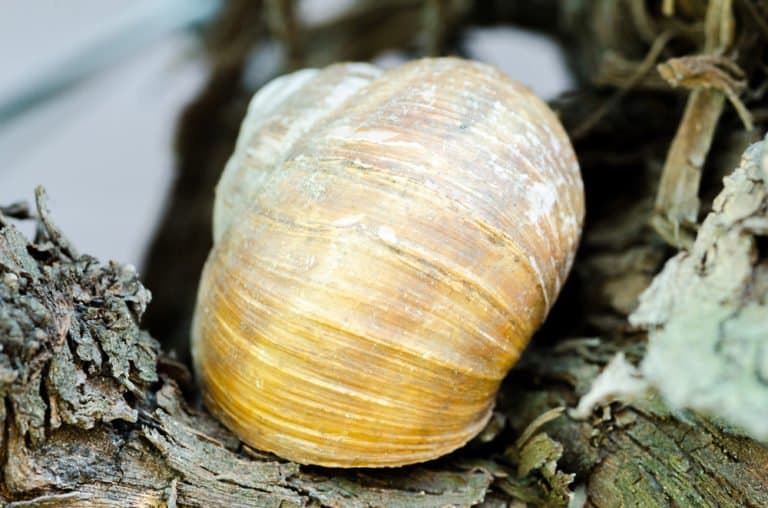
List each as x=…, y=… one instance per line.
x=375, y=135
x=428, y=95
x=542, y=197
x=340, y=131
x=387, y=234
x=361, y=164
x=500, y=171
x=378, y=136
x=351, y=85
x=349, y=220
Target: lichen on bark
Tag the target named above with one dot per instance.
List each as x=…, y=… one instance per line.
x=707, y=311
x=72, y=351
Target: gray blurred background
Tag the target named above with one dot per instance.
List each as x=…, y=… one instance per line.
x=91, y=91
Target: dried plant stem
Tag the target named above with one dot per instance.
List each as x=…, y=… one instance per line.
x=435, y=25
x=677, y=202
x=642, y=70
x=282, y=22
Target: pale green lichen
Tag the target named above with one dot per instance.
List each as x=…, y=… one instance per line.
x=707, y=312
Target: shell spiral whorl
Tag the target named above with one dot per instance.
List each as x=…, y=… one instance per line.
x=386, y=242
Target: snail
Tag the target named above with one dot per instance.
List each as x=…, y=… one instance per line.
x=386, y=243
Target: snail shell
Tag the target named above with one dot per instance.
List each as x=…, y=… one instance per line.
x=385, y=245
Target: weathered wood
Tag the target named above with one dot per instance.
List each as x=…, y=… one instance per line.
x=639, y=453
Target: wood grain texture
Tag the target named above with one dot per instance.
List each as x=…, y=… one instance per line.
x=376, y=282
